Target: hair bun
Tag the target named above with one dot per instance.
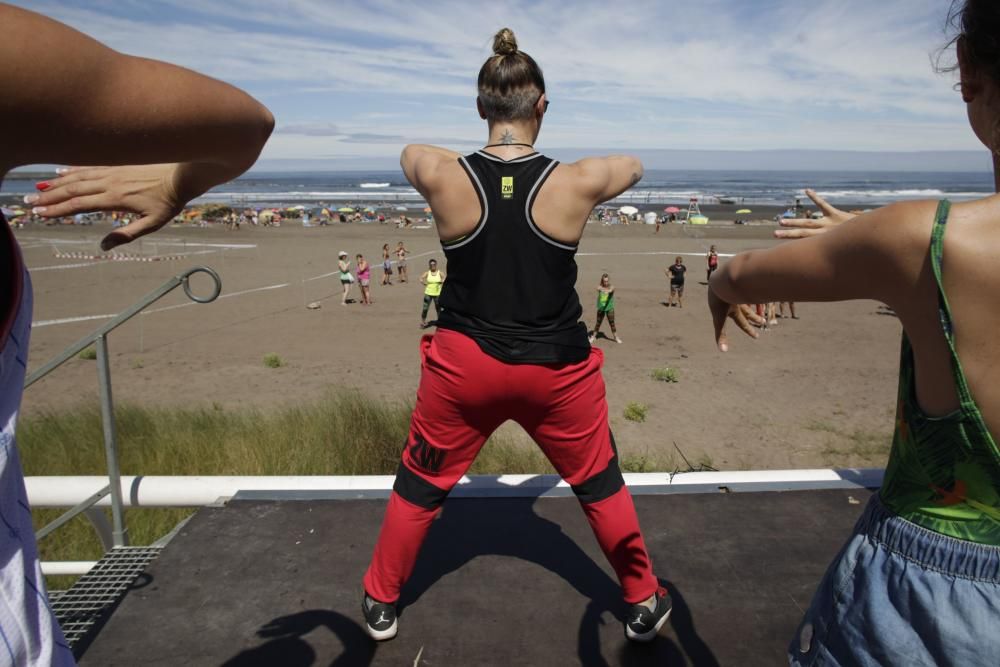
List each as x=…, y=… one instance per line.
x=504, y=43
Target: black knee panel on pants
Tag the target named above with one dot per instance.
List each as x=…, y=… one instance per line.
x=603, y=485
x=413, y=488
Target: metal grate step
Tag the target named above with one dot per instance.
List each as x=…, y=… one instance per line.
x=95, y=595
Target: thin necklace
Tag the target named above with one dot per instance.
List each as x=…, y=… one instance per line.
x=500, y=145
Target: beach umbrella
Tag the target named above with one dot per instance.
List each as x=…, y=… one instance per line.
x=671, y=209
x=400, y=208
x=369, y=209
x=743, y=211
x=788, y=214
x=325, y=212
x=628, y=210
x=345, y=209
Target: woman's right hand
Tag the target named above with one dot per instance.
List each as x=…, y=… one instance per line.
x=806, y=227
x=149, y=191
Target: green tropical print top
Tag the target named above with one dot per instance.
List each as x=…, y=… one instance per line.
x=943, y=472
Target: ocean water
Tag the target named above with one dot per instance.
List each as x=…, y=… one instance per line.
x=659, y=186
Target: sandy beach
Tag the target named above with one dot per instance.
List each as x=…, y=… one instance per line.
x=813, y=392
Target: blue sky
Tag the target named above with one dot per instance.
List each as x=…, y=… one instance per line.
x=351, y=82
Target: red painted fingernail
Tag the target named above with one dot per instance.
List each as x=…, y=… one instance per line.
x=42, y=186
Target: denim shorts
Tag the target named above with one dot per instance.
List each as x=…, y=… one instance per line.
x=899, y=594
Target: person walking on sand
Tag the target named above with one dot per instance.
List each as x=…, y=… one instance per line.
x=346, y=277
x=791, y=309
x=510, y=219
x=432, y=280
x=713, y=262
x=676, y=273
x=68, y=99
x=401, y=253
x=605, y=308
x=386, y=265
x=918, y=581
x=364, y=273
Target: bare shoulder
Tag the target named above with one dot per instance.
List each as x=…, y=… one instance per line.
x=427, y=166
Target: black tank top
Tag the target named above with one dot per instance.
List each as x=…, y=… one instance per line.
x=510, y=287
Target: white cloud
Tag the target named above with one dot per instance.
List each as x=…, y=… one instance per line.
x=850, y=74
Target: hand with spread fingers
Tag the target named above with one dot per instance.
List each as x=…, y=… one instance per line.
x=806, y=227
x=743, y=315
x=150, y=191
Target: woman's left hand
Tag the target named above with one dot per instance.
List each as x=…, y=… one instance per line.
x=149, y=191
x=743, y=315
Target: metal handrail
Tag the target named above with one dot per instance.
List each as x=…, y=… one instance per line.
x=128, y=314
x=99, y=338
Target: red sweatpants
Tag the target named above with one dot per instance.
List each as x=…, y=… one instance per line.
x=464, y=396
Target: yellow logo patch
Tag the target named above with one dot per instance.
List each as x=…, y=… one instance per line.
x=507, y=187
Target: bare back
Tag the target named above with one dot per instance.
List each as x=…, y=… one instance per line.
x=971, y=285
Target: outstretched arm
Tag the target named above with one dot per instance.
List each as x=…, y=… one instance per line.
x=605, y=178
x=67, y=99
x=801, y=228
x=420, y=163
x=860, y=259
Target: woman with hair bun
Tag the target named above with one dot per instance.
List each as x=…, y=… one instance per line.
x=510, y=219
x=918, y=582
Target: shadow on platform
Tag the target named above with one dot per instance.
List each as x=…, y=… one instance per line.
x=499, y=581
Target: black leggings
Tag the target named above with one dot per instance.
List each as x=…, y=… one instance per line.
x=600, y=318
x=427, y=304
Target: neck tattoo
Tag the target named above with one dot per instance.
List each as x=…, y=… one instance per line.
x=508, y=137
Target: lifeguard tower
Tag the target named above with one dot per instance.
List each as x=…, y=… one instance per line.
x=694, y=215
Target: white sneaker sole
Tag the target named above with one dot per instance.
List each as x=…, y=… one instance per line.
x=649, y=634
x=382, y=635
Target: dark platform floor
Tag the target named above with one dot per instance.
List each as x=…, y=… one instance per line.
x=510, y=581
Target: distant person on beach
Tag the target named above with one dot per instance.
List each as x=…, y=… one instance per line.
x=386, y=265
x=510, y=343
x=675, y=272
x=791, y=309
x=346, y=277
x=432, y=280
x=605, y=308
x=401, y=253
x=364, y=273
x=918, y=581
x=69, y=100
x=713, y=262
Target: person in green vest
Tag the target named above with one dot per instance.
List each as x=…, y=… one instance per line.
x=605, y=308
x=432, y=280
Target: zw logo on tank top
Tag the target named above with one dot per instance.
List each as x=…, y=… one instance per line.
x=426, y=456
x=507, y=187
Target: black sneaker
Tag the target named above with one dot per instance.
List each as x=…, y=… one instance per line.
x=643, y=624
x=380, y=618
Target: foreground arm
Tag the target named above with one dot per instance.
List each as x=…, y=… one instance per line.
x=801, y=228
x=70, y=100
x=860, y=259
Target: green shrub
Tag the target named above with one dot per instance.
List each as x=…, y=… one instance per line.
x=636, y=412
x=87, y=354
x=272, y=360
x=666, y=375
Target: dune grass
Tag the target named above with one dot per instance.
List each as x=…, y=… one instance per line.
x=346, y=433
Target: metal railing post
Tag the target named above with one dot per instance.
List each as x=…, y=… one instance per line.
x=99, y=338
x=120, y=532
